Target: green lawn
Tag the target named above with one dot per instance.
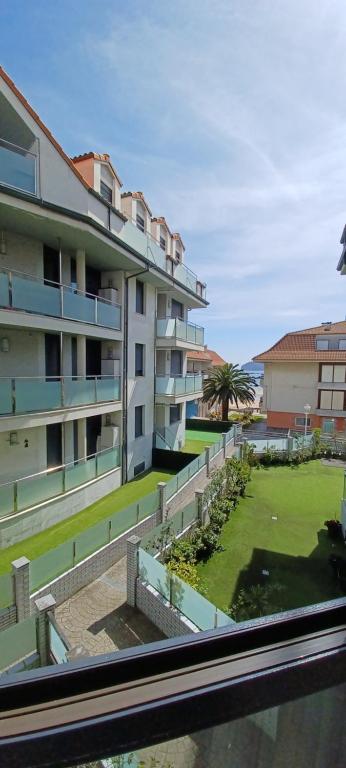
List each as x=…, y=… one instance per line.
x=57, y=534
x=294, y=548
x=197, y=441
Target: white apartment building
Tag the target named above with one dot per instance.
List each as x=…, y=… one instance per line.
x=94, y=327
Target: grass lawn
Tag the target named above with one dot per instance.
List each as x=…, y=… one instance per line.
x=294, y=548
x=197, y=441
x=57, y=534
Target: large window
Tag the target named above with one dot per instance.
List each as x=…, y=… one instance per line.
x=106, y=192
x=139, y=359
x=174, y=413
x=139, y=297
x=333, y=373
x=332, y=400
x=140, y=223
x=139, y=420
x=322, y=344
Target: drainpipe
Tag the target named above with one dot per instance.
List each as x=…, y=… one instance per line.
x=124, y=472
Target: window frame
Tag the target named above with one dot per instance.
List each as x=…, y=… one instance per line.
x=140, y=222
x=172, y=407
x=324, y=347
x=141, y=434
x=335, y=367
x=106, y=186
x=332, y=392
x=302, y=419
x=140, y=372
x=140, y=311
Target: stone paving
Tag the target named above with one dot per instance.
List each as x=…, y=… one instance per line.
x=99, y=619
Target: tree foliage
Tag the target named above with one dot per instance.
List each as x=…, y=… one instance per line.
x=228, y=384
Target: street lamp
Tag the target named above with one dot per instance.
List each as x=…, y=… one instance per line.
x=307, y=409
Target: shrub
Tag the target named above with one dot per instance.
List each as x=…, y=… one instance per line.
x=186, y=571
x=258, y=600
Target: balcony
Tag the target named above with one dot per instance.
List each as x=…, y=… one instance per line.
x=33, y=294
x=25, y=492
x=18, y=167
x=148, y=247
x=22, y=395
x=174, y=329
x=178, y=386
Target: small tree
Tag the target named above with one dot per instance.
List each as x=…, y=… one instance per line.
x=228, y=384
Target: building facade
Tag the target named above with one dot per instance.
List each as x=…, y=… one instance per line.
x=202, y=362
x=94, y=326
x=307, y=368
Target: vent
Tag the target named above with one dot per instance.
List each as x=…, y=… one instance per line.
x=139, y=468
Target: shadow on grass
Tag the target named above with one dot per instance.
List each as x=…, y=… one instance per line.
x=305, y=580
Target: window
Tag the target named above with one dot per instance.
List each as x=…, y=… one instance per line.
x=331, y=400
x=139, y=468
x=162, y=243
x=139, y=414
x=140, y=223
x=342, y=344
x=139, y=359
x=139, y=297
x=333, y=373
x=322, y=344
x=106, y=192
x=300, y=421
x=174, y=413
x=177, y=309
x=176, y=362
x=177, y=255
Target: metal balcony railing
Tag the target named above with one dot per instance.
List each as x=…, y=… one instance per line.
x=21, y=395
x=175, y=328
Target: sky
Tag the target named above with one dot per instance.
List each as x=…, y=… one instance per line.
x=230, y=116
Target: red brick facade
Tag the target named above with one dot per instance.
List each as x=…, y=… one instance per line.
x=287, y=420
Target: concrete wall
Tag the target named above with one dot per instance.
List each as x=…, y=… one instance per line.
x=26, y=355
x=287, y=387
x=18, y=460
x=23, y=254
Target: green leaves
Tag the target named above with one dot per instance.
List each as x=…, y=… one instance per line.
x=228, y=384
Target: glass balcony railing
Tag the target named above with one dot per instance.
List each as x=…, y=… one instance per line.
x=18, y=495
x=147, y=246
x=18, y=167
x=33, y=294
x=173, y=386
x=174, y=328
x=26, y=395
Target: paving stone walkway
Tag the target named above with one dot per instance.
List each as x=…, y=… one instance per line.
x=99, y=619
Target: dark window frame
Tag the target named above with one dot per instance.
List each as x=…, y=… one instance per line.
x=137, y=427
x=140, y=222
x=106, y=192
x=140, y=298
x=139, y=366
x=171, y=408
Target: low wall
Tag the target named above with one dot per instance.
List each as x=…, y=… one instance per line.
x=19, y=526
x=175, y=460
x=209, y=425
x=8, y=616
x=168, y=619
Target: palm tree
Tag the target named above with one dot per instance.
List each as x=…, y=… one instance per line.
x=228, y=383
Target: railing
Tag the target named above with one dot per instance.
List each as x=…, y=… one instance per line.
x=22, y=291
x=203, y=614
x=281, y=444
x=25, y=492
x=17, y=642
x=173, y=386
x=174, y=328
x=18, y=167
x=148, y=246
x=26, y=394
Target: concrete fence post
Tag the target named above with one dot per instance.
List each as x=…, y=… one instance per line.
x=162, y=513
x=21, y=583
x=207, y=460
x=133, y=544
x=224, y=444
x=202, y=510
x=42, y=606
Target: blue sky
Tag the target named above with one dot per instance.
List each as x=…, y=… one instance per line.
x=230, y=115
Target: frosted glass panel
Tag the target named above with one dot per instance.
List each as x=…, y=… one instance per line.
x=78, y=306
x=37, y=395
x=154, y=573
x=91, y=539
x=108, y=315
x=108, y=460
x=18, y=170
x=57, y=645
x=122, y=521
x=107, y=389
x=80, y=473
x=79, y=391
x=51, y=564
x=35, y=296
x=6, y=590
x=35, y=489
x=6, y=499
x=17, y=641
x=5, y=396
x=193, y=605
x=4, y=294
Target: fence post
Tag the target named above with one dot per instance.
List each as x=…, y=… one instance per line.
x=162, y=511
x=224, y=445
x=132, y=544
x=21, y=582
x=42, y=606
x=202, y=511
x=207, y=460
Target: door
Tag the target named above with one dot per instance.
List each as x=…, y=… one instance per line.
x=52, y=355
x=177, y=309
x=176, y=362
x=50, y=265
x=93, y=357
x=54, y=445
x=328, y=426
x=93, y=427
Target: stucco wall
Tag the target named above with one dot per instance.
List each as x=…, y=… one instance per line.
x=19, y=461
x=288, y=386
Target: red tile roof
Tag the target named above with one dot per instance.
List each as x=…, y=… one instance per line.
x=138, y=196
x=301, y=345
x=104, y=158
x=208, y=355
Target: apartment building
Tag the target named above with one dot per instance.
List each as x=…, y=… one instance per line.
x=95, y=298
x=201, y=362
x=305, y=379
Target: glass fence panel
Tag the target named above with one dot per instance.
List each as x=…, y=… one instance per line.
x=51, y=564
x=57, y=645
x=193, y=605
x=108, y=315
x=200, y=336
x=18, y=169
x=4, y=292
x=164, y=385
x=185, y=277
x=202, y=460
x=108, y=460
x=183, y=476
x=181, y=329
x=222, y=620
x=6, y=499
x=32, y=490
x=172, y=487
x=175, y=524
x=6, y=590
x=182, y=385
x=80, y=473
x=5, y=396
x=37, y=395
x=123, y=520
x=78, y=306
x=107, y=389
x=79, y=391
x=190, y=513
x=154, y=573
x=149, y=504
x=92, y=539
x=193, y=467
x=191, y=333
x=17, y=641
x=35, y=296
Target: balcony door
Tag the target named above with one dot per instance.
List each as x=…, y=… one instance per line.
x=50, y=265
x=52, y=354
x=54, y=445
x=177, y=309
x=176, y=362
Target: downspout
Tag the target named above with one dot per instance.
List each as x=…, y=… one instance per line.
x=124, y=472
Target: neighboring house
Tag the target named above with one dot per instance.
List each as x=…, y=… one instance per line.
x=307, y=367
x=201, y=362
x=94, y=324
